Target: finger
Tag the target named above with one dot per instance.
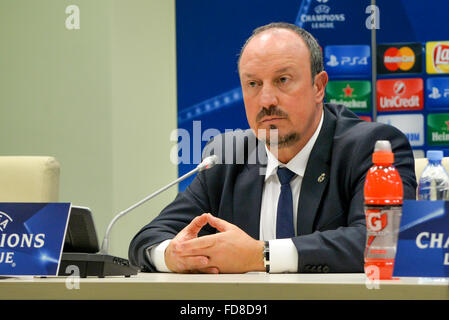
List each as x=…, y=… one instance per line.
x=191, y=247
x=191, y=263
x=192, y=229
x=219, y=224
x=210, y=270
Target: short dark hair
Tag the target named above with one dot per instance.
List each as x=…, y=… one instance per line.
x=316, y=55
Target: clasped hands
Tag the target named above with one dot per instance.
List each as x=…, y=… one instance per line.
x=231, y=250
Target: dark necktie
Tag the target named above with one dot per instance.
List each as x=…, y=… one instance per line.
x=284, y=219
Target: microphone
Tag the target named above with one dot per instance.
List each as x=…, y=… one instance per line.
x=207, y=163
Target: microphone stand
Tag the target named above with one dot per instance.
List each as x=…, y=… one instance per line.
x=102, y=264
x=105, y=243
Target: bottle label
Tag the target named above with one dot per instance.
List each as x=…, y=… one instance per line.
x=382, y=227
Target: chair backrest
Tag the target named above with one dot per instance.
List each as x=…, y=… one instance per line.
x=421, y=163
x=29, y=179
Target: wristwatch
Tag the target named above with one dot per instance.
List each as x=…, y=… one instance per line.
x=266, y=256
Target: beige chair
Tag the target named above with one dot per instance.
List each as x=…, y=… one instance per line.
x=421, y=163
x=29, y=179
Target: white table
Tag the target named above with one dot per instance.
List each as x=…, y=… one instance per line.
x=254, y=286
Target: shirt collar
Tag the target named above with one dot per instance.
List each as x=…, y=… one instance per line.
x=299, y=162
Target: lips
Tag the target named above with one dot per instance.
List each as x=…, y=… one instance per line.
x=271, y=119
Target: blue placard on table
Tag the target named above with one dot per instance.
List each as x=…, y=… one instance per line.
x=32, y=238
x=423, y=241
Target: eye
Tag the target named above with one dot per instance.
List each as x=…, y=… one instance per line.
x=252, y=84
x=283, y=80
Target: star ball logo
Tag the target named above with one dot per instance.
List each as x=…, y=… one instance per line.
x=437, y=57
x=400, y=94
x=5, y=219
x=322, y=16
x=399, y=58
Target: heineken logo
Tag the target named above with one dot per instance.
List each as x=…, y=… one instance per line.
x=348, y=91
x=438, y=129
x=355, y=95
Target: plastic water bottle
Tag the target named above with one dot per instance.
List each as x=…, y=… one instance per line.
x=383, y=209
x=434, y=181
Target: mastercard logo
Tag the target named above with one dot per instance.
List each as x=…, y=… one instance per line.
x=399, y=59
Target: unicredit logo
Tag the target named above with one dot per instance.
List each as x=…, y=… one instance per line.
x=397, y=102
x=403, y=59
x=399, y=94
x=399, y=87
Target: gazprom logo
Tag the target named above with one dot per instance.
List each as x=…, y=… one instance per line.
x=412, y=125
x=5, y=219
x=348, y=60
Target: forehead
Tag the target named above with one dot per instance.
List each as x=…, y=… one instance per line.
x=275, y=49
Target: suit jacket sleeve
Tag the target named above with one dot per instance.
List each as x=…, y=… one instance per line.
x=177, y=215
x=338, y=245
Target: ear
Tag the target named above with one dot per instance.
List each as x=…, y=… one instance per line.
x=319, y=84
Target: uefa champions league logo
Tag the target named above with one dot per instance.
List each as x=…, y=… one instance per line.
x=4, y=221
x=5, y=257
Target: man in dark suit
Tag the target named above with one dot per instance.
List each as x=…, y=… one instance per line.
x=292, y=185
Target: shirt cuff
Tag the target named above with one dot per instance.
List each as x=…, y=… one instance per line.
x=156, y=256
x=283, y=256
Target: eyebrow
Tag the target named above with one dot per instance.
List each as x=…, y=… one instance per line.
x=283, y=70
x=250, y=75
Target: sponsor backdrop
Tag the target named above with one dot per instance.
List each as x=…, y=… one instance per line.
x=412, y=64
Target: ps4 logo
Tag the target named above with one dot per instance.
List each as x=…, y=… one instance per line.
x=4, y=220
x=346, y=61
x=436, y=93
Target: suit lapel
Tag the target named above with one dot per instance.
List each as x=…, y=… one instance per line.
x=316, y=176
x=248, y=192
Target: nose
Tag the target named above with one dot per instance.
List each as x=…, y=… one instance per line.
x=268, y=97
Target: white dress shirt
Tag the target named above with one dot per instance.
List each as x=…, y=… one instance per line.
x=283, y=253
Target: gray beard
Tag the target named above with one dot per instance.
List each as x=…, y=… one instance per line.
x=284, y=141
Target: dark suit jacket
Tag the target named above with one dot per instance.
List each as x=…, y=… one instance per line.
x=331, y=221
